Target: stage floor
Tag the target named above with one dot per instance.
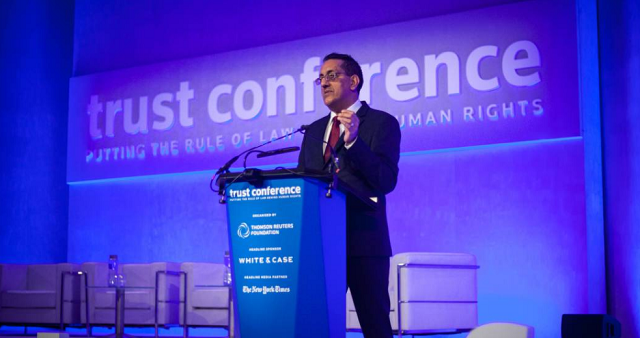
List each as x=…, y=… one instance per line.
x=147, y=332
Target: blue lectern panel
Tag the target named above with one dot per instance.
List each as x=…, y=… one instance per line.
x=288, y=248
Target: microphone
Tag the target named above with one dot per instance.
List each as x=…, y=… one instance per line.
x=226, y=166
x=277, y=152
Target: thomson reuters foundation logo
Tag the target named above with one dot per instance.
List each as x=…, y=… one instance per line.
x=243, y=230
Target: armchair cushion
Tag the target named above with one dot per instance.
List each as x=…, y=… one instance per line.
x=13, y=277
x=210, y=298
x=42, y=277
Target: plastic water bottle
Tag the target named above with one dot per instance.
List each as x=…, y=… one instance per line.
x=113, y=271
x=227, y=271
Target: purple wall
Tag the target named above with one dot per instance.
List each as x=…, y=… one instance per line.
x=36, y=40
x=620, y=91
x=119, y=34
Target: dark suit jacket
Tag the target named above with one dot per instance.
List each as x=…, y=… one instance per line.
x=370, y=165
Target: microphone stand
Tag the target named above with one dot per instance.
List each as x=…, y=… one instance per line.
x=334, y=166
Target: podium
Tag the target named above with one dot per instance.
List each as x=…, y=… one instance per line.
x=288, y=248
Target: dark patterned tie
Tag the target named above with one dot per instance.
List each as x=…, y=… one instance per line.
x=333, y=138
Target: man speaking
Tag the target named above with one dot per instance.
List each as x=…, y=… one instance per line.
x=367, y=143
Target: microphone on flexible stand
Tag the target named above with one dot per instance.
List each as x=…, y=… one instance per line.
x=227, y=165
x=268, y=153
x=277, y=152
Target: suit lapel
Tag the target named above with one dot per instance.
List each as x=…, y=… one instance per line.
x=318, y=134
x=362, y=113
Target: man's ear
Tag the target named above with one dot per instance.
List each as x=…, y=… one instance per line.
x=355, y=81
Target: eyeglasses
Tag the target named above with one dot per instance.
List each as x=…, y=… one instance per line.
x=329, y=77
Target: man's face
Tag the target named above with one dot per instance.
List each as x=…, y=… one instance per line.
x=337, y=94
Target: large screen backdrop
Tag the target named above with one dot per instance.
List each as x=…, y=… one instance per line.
x=491, y=76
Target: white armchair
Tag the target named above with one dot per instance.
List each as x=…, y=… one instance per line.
x=207, y=297
x=30, y=294
x=430, y=293
x=502, y=330
x=140, y=294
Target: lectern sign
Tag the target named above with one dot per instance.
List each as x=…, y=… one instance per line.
x=278, y=284
x=265, y=252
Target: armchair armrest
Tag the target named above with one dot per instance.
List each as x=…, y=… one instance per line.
x=71, y=283
x=183, y=281
x=168, y=279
